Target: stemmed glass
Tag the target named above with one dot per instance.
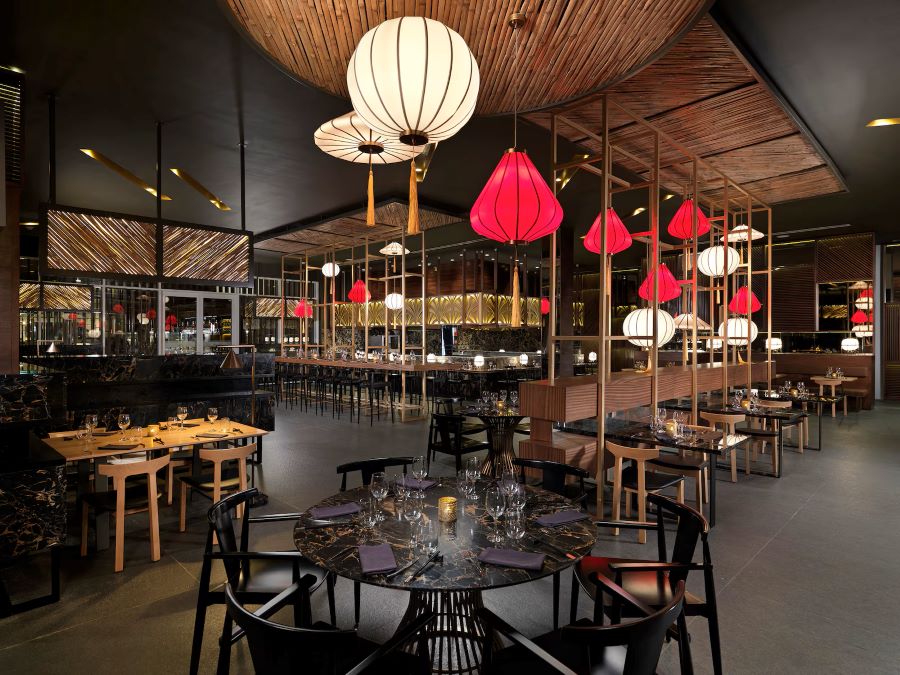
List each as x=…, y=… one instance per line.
x=486, y=399
x=379, y=489
x=495, y=505
x=182, y=414
x=473, y=471
x=124, y=421
x=514, y=399
x=420, y=470
x=90, y=421
x=428, y=536
x=515, y=525
x=412, y=509
x=367, y=514
x=212, y=414
x=517, y=499
x=508, y=482
x=502, y=398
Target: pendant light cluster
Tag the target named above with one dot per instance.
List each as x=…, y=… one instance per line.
x=617, y=236
x=667, y=285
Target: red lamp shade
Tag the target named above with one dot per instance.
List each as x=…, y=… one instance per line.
x=171, y=321
x=117, y=308
x=738, y=304
x=151, y=313
x=516, y=204
x=72, y=316
x=359, y=293
x=303, y=310
x=859, y=316
x=668, y=285
x=81, y=323
x=681, y=226
x=617, y=236
x=545, y=305
x=866, y=293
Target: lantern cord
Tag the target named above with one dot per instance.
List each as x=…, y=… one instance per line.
x=370, y=208
x=516, y=87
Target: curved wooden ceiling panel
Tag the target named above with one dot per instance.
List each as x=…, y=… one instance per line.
x=566, y=50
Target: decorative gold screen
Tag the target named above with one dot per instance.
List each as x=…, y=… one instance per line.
x=445, y=309
x=81, y=242
x=193, y=253
x=56, y=296
x=29, y=296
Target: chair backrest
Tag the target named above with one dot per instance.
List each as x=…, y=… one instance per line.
x=227, y=454
x=553, y=474
x=276, y=649
x=126, y=470
x=449, y=431
x=628, y=452
x=728, y=420
x=692, y=526
x=369, y=466
x=221, y=520
x=643, y=638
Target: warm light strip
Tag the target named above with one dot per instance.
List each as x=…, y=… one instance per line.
x=122, y=171
x=884, y=122
x=194, y=183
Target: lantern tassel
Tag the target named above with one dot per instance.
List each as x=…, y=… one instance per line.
x=370, y=209
x=413, y=225
x=516, y=319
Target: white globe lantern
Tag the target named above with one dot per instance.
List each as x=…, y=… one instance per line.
x=863, y=330
x=431, y=358
x=479, y=361
x=774, y=344
x=850, y=344
x=330, y=270
x=864, y=303
x=718, y=261
x=592, y=357
x=523, y=359
x=394, y=301
x=737, y=331
x=640, y=322
x=414, y=79
x=714, y=343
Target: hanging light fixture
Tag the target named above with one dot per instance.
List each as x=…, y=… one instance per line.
x=394, y=248
x=617, y=235
x=686, y=322
x=330, y=270
x=858, y=317
x=864, y=303
x=523, y=359
x=863, y=330
x=718, y=261
x=738, y=330
x=303, y=310
x=478, y=361
x=739, y=233
x=545, y=306
x=714, y=343
x=394, y=301
x=667, y=285
x=850, y=344
x=738, y=304
x=359, y=293
x=774, y=344
x=640, y=322
x=682, y=227
x=592, y=357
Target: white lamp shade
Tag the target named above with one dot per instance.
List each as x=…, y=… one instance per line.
x=479, y=361
x=414, y=79
x=523, y=359
x=93, y=333
x=774, y=344
x=330, y=269
x=394, y=301
x=737, y=331
x=640, y=322
x=394, y=248
x=864, y=303
x=739, y=233
x=592, y=357
x=431, y=358
x=349, y=138
x=863, y=330
x=686, y=322
x=718, y=261
x=850, y=344
x=714, y=343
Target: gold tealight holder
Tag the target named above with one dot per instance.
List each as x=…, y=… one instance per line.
x=153, y=430
x=671, y=428
x=447, y=509
x=745, y=404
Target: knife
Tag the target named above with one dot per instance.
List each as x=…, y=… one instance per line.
x=340, y=553
x=402, y=569
x=421, y=569
x=317, y=523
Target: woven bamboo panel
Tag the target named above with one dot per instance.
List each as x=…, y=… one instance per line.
x=800, y=185
x=271, y=307
x=64, y=296
x=29, y=296
x=567, y=48
x=849, y=257
x=88, y=243
x=794, y=299
x=210, y=255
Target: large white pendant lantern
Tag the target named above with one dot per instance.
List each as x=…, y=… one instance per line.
x=737, y=331
x=687, y=320
x=864, y=303
x=349, y=138
x=414, y=79
x=863, y=330
x=850, y=344
x=394, y=301
x=394, y=248
x=330, y=270
x=640, y=322
x=718, y=261
x=774, y=344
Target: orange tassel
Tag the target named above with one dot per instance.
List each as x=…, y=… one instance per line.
x=370, y=211
x=413, y=224
x=516, y=319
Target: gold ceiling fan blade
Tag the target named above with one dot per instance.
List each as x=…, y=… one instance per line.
x=123, y=172
x=198, y=186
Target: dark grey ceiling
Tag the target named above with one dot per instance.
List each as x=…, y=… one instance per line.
x=118, y=66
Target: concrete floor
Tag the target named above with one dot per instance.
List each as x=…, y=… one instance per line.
x=805, y=565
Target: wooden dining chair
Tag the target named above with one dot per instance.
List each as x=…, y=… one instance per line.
x=688, y=464
x=798, y=426
x=636, y=481
x=125, y=501
x=729, y=422
x=222, y=481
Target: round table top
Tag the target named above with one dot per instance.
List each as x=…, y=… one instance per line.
x=492, y=413
x=460, y=542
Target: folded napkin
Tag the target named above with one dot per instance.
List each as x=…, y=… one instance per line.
x=416, y=484
x=333, y=511
x=105, y=433
x=120, y=446
x=509, y=558
x=560, y=518
x=377, y=558
x=210, y=434
x=190, y=425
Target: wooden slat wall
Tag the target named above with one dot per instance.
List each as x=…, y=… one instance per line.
x=794, y=299
x=890, y=336
x=845, y=258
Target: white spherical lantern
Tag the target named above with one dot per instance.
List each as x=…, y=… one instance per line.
x=774, y=344
x=431, y=358
x=479, y=361
x=592, y=357
x=414, y=79
x=863, y=330
x=850, y=344
x=143, y=319
x=864, y=303
x=93, y=333
x=330, y=270
x=718, y=261
x=523, y=359
x=714, y=343
x=394, y=301
x=640, y=322
x=737, y=331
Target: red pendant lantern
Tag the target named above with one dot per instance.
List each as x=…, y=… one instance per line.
x=303, y=310
x=681, y=226
x=72, y=316
x=80, y=323
x=151, y=313
x=545, y=305
x=617, y=236
x=117, y=308
x=359, y=293
x=667, y=284
x=866, y=293
x=516, y=204
x=171, y=321
x=859, y=316
x=738, y=304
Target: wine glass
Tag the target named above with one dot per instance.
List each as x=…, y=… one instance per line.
x=473, y=469
x=379, y=489
x=502, y=397
x=486, y=399
x=91, y=422
x=428, y=536
x=124, y=421
x=517, y=499
x=508, y=482
x=212, y=414
x=514, y=399
x=81, y=433
x=181, y=413
x=367, y=514
x=412, y=509
x=515, y=525
x=495, y=505
x=494, y=399
x=420, y=470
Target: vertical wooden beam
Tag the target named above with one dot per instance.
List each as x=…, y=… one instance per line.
x=603, y=345
x=551, y=337
x=695, y=313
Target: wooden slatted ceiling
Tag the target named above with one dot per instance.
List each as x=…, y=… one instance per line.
x=575, y=47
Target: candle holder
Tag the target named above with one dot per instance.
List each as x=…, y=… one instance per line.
x=153, y=430
x=447, y=509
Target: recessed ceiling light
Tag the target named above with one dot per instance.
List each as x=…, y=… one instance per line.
x=638, y=211
x=122, y=171
x=14, y=69
x=29, y=224
x=668, y=197
x=884, y=122
x=194, y=183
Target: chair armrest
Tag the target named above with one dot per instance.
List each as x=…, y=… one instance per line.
x=275, y=517
x=615, y=589
x=494, y=622
x=626, y=524
x=402, y=636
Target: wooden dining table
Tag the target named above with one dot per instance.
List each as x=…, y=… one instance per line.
x=89, y=453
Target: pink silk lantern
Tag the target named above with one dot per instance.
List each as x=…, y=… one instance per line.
x=738, y=304
x=617, y=236
x=668, y=285
x=681, y=226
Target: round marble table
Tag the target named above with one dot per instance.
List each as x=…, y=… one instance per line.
x=501, y=428
x=452, y=586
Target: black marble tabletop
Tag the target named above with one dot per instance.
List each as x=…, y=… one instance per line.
x=491, y=413
x=712, y=442
x=460, y=542
x=715, y=405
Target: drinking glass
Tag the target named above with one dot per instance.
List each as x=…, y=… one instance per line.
x=182, y=414
x=81, y=434
x=379, y=489
x=514, y=399
x=412, y=509
x=224, y=422
x=420, y=470
x=212, y=414
x=502, y=397
x=91, y=423
x=428, y=536
x=517, y=499
x=495, y=505
x=124, y=421
x=508, y=482
x=398, y=485
x=486, y=398
x=463, y=484
x=367, y=514
x=494, y=399
x=473, y=470
x=515, y=525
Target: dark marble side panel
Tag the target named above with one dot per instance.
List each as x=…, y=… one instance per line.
x=32, y=510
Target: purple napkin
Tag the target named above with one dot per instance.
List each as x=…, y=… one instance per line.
x=508, y=558
x=119, y=446
x=333, y=511
x=416, y=484
x=377, y=558
x=560, y=518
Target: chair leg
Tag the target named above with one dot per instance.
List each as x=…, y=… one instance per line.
x=356, y=603
x=698, y=479
x=329, y=586
x=573, y=601
x=84, y=528
x=734, y=465
x=555, y=600
x=715, y=644
x=684, y=646
x=617, y=495
x=170, y=488
x=642, y=500
x=182, y=516
x=120, y=526
x=200, y=616
x=680, y=492
x=153, y=503
x=224, y=664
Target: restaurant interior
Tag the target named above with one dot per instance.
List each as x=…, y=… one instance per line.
x=449, y=337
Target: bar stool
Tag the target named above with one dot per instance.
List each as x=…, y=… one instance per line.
x=377, y=388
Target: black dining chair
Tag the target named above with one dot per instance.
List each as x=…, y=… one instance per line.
x=277, y=649
x=583, y=648
x=653, y=582
x=451, y=437
x=270, y=577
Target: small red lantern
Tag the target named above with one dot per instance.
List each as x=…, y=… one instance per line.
x=667, y=284
x=72, y=316
x=359, y=293
x=738, y=304
x=303, y=310
x=81, y=323
x=117, y=308
x=866, y=293
x=545, y=305
x=171, y=321
x=859, y=316
x=617, y=236
x=681, y=226
x=151, y=313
